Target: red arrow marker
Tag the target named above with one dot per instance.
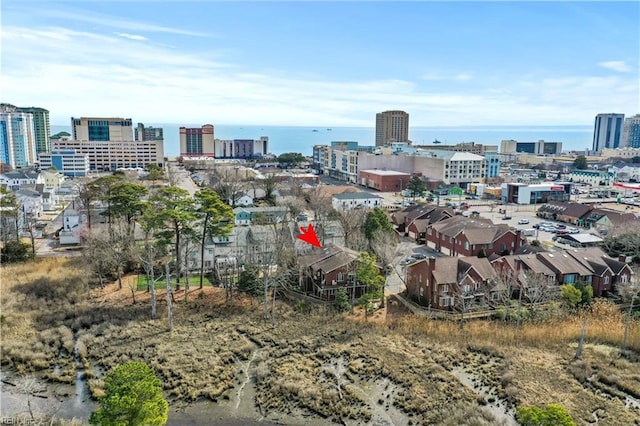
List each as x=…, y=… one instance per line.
x=309, y=236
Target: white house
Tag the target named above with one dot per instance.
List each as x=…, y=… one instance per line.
x=352, y=200
x=30, y=202
x=15, y=180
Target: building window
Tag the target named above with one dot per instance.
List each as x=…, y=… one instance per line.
x=569, y=279
x=606, y=279
x=444, y=288
x=623, y=279
x=340, y=277
x=466, y=245
x=444, y=301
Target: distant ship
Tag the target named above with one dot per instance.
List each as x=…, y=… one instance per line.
x=329, y=130
x=436, y=141
x=314, y=130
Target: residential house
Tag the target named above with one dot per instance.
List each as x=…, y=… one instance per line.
x=355, y=200
x=15, y=180
x=30, y=202
x=240, y=199
x=609, y=274
x=52, y=178
x=259, y=215
x=417, y=221
x=589, y=265
x=326, y=270
x=450, y=283
x=462, y=236
x=255, y=244
x=49, y=195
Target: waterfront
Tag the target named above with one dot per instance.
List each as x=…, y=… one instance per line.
x=301, y=139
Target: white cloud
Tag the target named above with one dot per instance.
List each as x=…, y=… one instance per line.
x=132, y=36
x=441, y=76
x=117, y=22
x=619, y=66
x=153, y=83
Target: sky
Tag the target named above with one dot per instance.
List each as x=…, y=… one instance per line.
x=322, y=63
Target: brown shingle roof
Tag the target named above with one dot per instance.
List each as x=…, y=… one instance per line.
x=481, y=265
x=576, y=210
x=564, y=263
x=446, y=270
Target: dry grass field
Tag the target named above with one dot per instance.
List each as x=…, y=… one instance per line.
x=318, y=367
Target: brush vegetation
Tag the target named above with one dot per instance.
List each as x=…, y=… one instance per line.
x=317, y=362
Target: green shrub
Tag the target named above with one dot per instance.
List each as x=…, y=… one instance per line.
x=342, y=300
x=551, y=415
x=133, y=396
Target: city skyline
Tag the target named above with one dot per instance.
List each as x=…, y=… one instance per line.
x=333, y=64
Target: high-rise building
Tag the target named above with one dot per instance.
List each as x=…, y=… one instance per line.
x=392, y=126
x=17, y=142
x=607, y=131
x=143, y=133
x=42, y=127
x=241, y=148
x=101, y=129
x=197, y=141
x=631, y=132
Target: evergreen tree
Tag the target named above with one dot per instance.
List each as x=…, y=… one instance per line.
x=133, y=396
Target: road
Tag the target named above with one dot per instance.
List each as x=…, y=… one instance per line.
x=406, y=247
x=183, y=178
x=47, y=246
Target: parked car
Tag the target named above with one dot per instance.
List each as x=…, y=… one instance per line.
x=505, y=217
x=561, y=231
x=419, y=256
x=573, y=230
x=523, y=221
x=560, y=226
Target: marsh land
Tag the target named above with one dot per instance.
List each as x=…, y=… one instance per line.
x=223, y=362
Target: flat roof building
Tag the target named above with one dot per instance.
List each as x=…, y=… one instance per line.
x=101, y=129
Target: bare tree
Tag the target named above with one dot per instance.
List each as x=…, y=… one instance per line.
x=352, y=222
x=630, y=292
x=538, y=289
x=169, y=297
x=320, y=204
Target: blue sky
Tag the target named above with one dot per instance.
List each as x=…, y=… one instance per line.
x=323, y=63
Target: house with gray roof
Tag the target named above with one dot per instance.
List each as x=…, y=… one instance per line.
x=326, y=270
x=355, y=200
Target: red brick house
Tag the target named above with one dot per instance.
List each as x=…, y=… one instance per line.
x=450, y=283
x=462, y=236
x=588, y=265
x=417, y=221
x=328, y=269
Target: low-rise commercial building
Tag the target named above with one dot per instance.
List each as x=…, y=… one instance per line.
x=384, y=180
x=539, y=193
x=69, y=163
x=353, y=200
x=592, y=177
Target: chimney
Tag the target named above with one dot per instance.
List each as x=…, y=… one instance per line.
x=622, y=258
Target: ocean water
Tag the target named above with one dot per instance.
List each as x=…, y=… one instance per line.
x=302, y=139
